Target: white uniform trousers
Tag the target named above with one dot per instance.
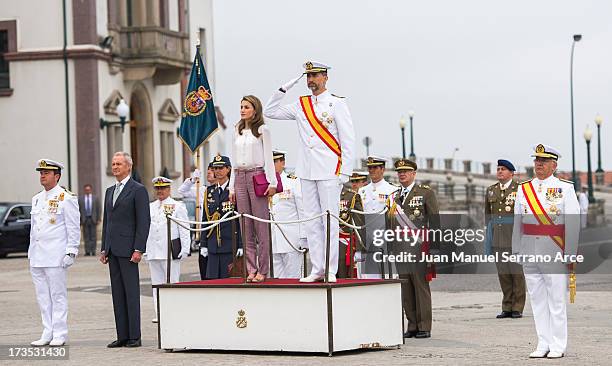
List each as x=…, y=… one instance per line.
x=288, y=265
x=158, y=275
x=548, y=297
x=320, y=196
x=52, y=296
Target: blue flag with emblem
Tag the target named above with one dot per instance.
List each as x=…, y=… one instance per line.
x=199, y=118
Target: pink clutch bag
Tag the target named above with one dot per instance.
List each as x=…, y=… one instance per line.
x=261, y=184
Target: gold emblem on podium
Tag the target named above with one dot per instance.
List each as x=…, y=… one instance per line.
x=241, y=321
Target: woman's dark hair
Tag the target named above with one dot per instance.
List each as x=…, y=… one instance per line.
x=257, y=119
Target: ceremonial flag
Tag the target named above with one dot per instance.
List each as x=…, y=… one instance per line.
x=199, y=119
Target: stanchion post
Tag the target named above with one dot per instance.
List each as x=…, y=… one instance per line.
x=351, y=253
x=382, y=266
x=169, y=256
x=270, y=250
x=244, y=248
x=305, y=263
x=326, y=279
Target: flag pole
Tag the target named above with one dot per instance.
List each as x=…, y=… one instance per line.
x=198, y=208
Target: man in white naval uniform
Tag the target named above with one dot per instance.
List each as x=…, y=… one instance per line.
x=157, y=242
x=547, y=222
x=55, y=236
x=374, y=197
x=287, y=206
x=325, y=161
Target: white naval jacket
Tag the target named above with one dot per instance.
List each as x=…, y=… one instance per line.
x=315, y=160
x=374, y=195
x=157, y=242
x=287, y=206
x=55, y=227
x=560, y=203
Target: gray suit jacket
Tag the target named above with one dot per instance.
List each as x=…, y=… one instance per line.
x=95, y=208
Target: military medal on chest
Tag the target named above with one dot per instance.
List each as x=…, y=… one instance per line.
x=168, y=209
x=343, y=209
x=510, y=201
x=227, y=206
x=553, y=196
x=415, y=203
x=53, y=205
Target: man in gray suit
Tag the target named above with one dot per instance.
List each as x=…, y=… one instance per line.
x=125, y=229
x=89, y=206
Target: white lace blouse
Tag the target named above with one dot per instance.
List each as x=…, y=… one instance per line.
x=249, y=152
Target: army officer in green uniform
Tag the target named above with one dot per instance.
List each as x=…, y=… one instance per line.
x=350, y=200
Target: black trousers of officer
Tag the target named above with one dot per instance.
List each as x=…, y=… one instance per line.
x=125, y=288
x=89, y=236
x=202, y=264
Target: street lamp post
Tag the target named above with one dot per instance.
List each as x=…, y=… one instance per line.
x=598, y=122
x=412, y=156
x=402, y=124
x=588, y=134
x=577, y=38
x=123, y=110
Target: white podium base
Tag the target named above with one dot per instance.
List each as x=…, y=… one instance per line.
x=280, y=315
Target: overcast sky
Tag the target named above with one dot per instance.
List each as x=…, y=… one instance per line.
x=489, y=77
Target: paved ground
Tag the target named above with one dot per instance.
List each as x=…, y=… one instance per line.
x=464, y=329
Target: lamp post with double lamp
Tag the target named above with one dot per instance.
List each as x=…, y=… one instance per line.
x=402, y=124
x=412, y=156
x=588, y=134
x=123, y=110
x=577, y=38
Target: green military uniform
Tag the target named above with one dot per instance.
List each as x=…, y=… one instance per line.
x=420, y=206
x=349, y=200
x=499, y=217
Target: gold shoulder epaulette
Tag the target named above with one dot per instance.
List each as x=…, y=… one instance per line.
x=291, y=176
x=337, y=96
x=67, y=191
x=424, y=186
x=526, y=181
x=566, y=181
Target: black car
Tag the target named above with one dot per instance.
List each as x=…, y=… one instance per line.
x=14, y=227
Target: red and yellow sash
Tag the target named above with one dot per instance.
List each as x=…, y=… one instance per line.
x=321, y=130
x=539, y=212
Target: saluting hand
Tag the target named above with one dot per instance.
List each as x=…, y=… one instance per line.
x=288, y=85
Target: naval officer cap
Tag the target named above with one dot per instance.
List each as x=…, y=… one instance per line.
x=161, y=182
x=545, y=151
x=403, y=165
x=375, y=160
x=311, y=67
x=221, y=161
x=48, y=164
x=278, y=154
x=507, y=164
x=358, y=177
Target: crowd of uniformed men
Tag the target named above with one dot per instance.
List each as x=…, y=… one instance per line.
x=531, y=217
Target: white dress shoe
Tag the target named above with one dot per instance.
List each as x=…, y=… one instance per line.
x=154, y=321
x=39, y=343
x=538, y=354
x=57, y=343
x=311, y=278
x=554, y=354
x=331, y=278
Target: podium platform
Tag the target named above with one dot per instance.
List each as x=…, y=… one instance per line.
x=280, y=315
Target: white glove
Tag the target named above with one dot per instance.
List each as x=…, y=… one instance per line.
x=197, y=174
x=343, y=178
x=67, y=261
x=184, y=255
x=358, y=257
x=303, y=243
x=204, y=252
x=290, y=84
x=239, y=252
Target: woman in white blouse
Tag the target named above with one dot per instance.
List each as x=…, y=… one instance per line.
x=252, y=156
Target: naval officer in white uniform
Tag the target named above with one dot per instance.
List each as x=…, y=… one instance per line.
x=157, y=241
x=547, y=222
x=55, y=236
x=374, y=197
x=325, y=160
x=287, y=206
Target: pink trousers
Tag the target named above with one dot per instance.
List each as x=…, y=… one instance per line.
x=256, y=239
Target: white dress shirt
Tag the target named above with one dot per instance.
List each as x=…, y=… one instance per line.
x=250, y=152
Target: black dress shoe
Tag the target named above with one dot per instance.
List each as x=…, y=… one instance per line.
x=422, y=334
x=133, y=343
x=517, y=314
x=504, y=314
x=117, y=344
x=410, y=334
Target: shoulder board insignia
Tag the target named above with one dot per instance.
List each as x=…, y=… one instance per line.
x=526, y=181
x=337, y=96
x=67, y=191
x=291, y=176
x=566, y=181
x=424, y=186
x=395, y=184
